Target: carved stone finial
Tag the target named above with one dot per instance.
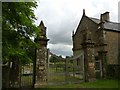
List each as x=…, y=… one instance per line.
x=41, y=23
x=83, y=12
x=43, y=29
x=73, y=33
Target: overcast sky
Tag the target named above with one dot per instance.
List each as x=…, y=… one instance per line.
x=61, y=17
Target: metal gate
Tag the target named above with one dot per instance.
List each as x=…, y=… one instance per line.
x=21, y=75
x=74, y=72
x=56, y=72
x=27, y=76
x=64, y=71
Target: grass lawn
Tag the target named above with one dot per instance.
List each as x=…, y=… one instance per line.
x=95, y=84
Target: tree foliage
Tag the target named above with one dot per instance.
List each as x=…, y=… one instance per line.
x=55, y=58
x=17, y=29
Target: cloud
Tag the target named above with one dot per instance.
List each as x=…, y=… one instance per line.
x=61, y=49
x=61, y=17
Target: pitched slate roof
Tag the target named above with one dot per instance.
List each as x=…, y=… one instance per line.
x=108, y=24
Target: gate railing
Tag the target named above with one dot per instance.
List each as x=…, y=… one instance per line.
x=65, y=71
x=17, y=75
x=58, y=72
x=26, y=75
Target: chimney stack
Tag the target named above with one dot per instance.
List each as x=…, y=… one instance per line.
x=104, y=17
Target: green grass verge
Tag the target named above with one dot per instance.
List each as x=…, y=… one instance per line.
x=95, y=84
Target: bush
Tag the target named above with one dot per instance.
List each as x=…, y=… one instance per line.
x=113, y=71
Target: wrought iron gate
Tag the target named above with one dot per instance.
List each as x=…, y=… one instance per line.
x=65, y=71
x=56, y=72
x=74, y=73
x=21, y=75
x=27, y=76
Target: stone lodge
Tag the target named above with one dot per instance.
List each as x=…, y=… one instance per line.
x=95, y=41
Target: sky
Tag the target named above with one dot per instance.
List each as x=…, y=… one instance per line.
x=61, y=17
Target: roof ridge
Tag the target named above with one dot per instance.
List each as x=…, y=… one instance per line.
x=106, y=21
x=113, y=22
x=94, y=18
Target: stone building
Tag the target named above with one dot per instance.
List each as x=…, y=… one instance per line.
x=95, y=41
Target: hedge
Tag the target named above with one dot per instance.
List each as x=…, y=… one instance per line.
x=113, y=71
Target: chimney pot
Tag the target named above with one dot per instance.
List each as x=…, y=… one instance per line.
x=104, y=17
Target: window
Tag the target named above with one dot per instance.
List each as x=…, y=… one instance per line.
x=96, y=58
x=97, y=65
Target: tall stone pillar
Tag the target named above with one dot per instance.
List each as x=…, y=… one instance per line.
x=41, y=58
x=89, y=60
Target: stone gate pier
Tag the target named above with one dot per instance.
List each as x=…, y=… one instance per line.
x=41, y=58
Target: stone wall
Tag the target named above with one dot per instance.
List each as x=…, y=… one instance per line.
x=111, y=39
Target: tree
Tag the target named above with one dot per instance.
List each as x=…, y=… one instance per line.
x=55, y=58
x=17, y=29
